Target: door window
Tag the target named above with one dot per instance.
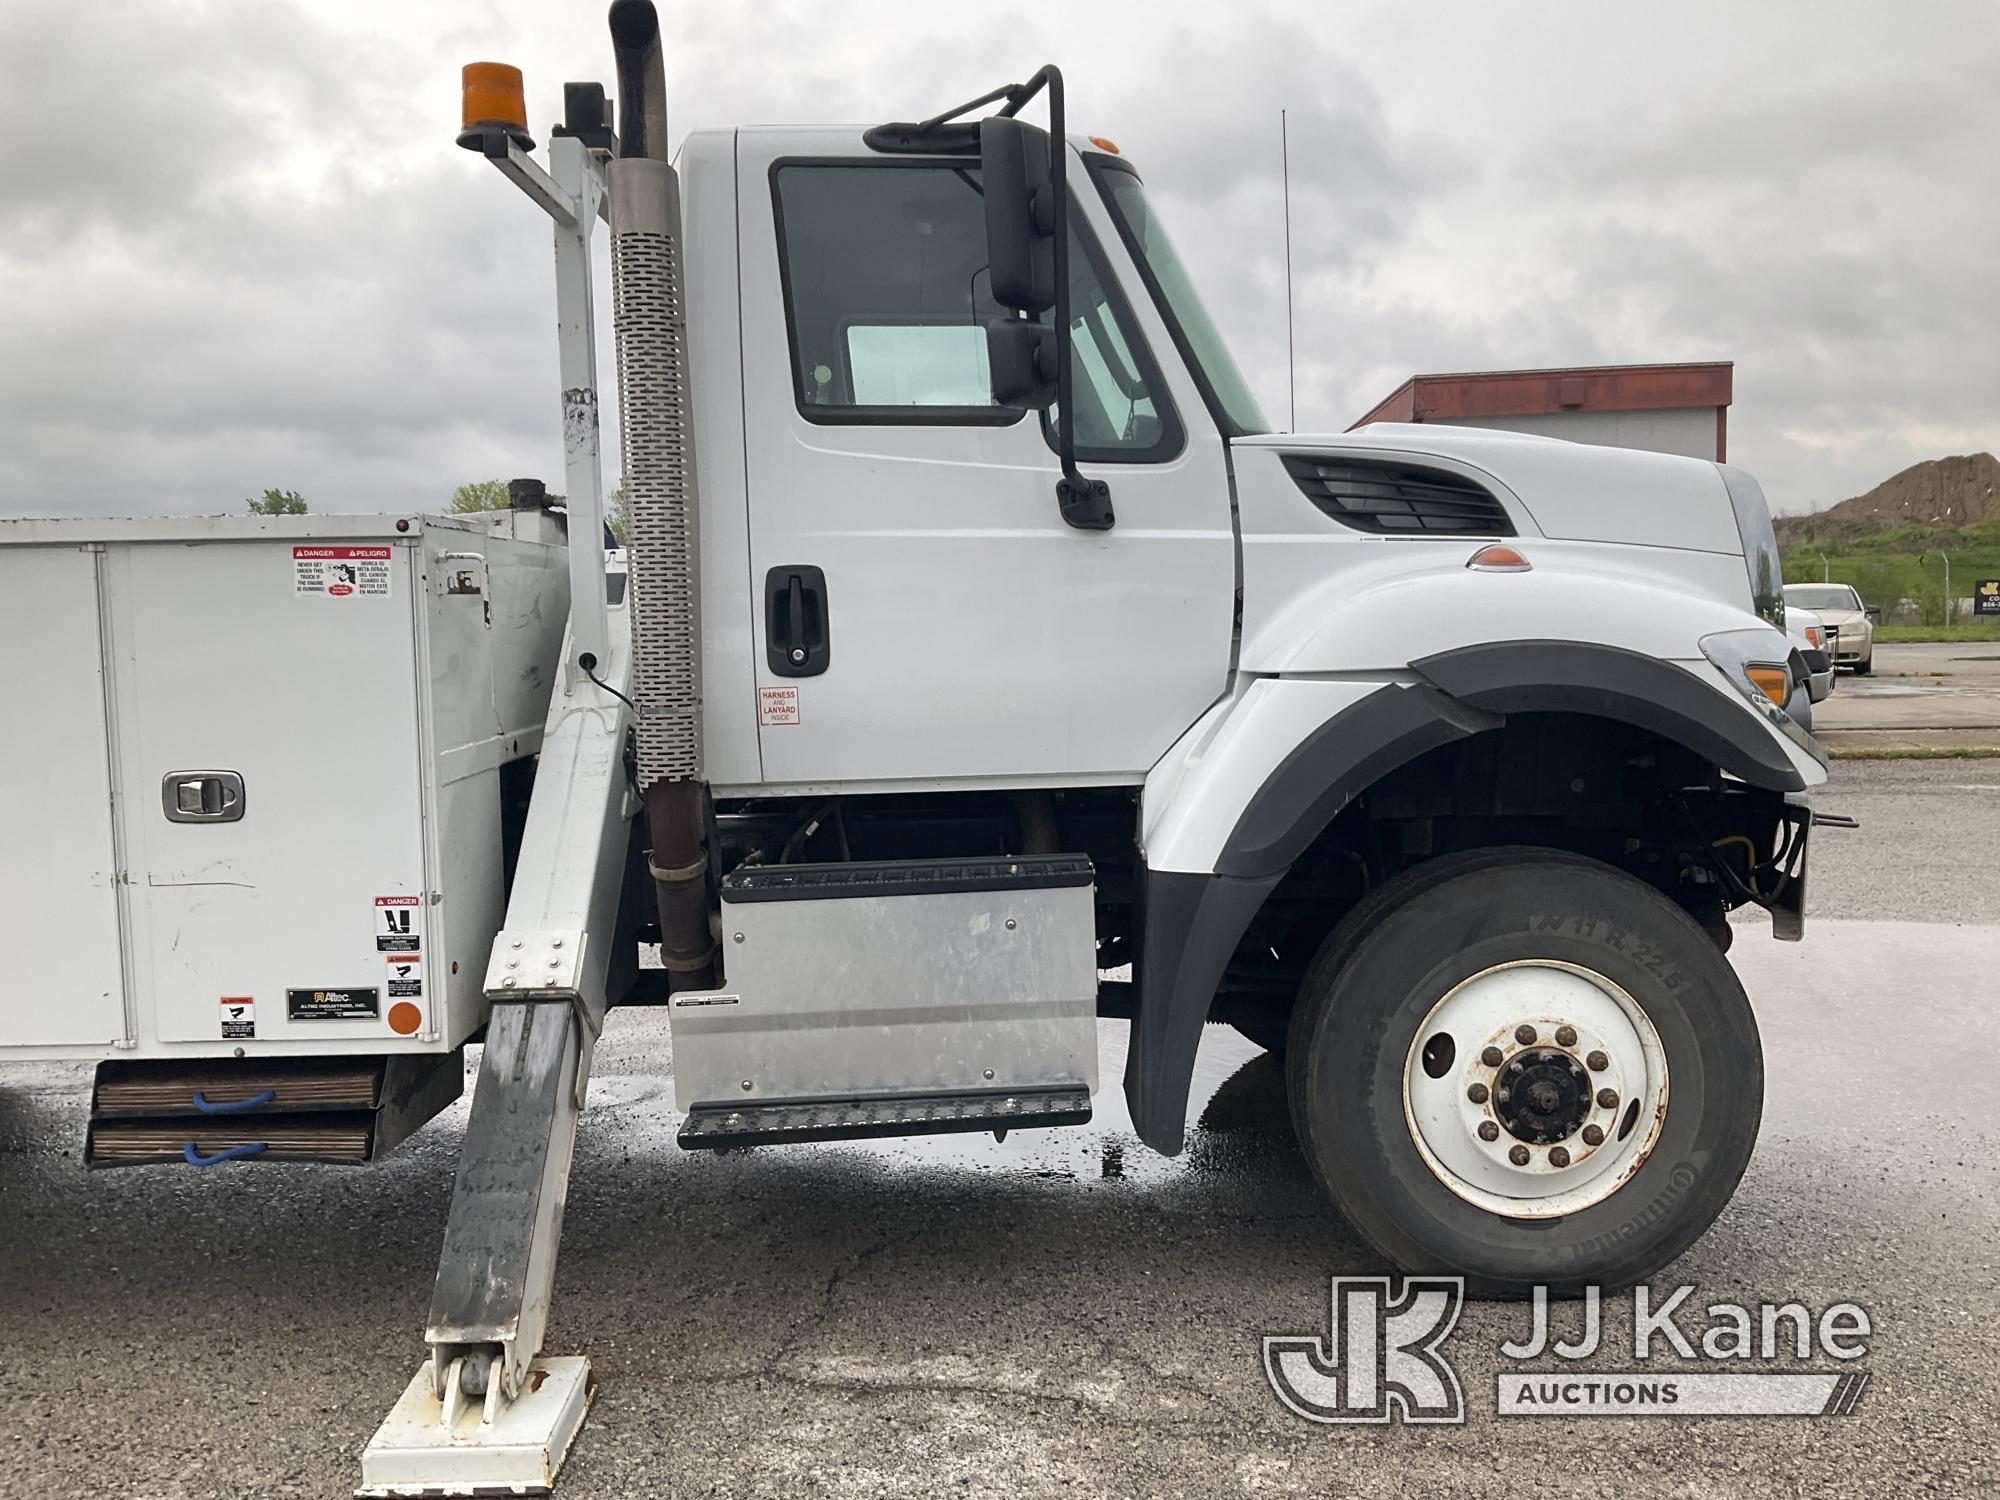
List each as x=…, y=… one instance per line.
x=886, y=292
x=887, y=297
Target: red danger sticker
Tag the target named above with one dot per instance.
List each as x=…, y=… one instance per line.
x=330, y=572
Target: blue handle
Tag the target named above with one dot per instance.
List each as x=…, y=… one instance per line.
x=234, y=1106
x=235, y=1153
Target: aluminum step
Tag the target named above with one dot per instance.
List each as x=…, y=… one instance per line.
x=783, y=1122
x=205, y=1111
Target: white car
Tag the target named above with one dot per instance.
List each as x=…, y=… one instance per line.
x=1840, y=609
x=1809, y=637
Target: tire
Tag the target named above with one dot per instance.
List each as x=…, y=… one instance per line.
x=1866, y=665
x=1561, y=920
x=1365, y=916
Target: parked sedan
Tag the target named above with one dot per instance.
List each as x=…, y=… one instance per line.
x=1809, y=639
x=1841, y=611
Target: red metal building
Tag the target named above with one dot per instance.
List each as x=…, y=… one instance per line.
x=1667, y=408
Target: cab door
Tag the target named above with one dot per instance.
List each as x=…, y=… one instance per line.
x=924, y=613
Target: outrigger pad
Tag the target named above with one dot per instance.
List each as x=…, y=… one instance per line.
x=518, y=1453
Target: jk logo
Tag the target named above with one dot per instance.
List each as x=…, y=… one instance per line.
x=1382, y=1356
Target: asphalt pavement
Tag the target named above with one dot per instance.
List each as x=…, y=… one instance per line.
x=1064, y=1313
x=1928, y=695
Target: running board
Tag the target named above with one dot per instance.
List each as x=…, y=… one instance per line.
x=788, y=1122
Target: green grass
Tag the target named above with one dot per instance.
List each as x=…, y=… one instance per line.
x=1904, y=564
x=1987, y=629
x=1920, y=752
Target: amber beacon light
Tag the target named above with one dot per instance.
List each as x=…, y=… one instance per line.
x=495, y=105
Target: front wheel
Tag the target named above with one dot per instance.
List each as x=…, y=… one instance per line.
x=1537, y=1070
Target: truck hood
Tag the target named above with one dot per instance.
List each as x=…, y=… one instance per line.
x=1553, y=488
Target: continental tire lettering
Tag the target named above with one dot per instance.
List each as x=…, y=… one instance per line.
x=1680, y=1181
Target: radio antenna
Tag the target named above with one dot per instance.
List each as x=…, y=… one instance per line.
x=1291, y=362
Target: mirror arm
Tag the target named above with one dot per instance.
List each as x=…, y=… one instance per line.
x=1085, y=503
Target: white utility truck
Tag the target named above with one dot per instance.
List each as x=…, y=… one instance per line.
x=975, y=639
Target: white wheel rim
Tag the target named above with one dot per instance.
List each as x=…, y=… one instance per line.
x=1573, y=1013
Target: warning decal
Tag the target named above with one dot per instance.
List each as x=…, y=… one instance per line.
x=239, y=1018
x=406, y=976
x=777, y=705
x=399, y=924
x=333, y=1005
x=326, y=572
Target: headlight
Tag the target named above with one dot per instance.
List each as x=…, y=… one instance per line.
x=1762, y=666
x=1758, y=664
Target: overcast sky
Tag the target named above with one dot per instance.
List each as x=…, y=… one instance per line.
x=238, y=248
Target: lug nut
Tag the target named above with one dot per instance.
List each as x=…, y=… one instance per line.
x=1477, y=1093
x=1593, y=1135
x=1492, y=1057
x=1607, y=1098
x=1598, y=1062
x=1488, y=1131
x=1565, y=1036
x=1518, y=1156
x=1525, y=1035
x=1558, y=1157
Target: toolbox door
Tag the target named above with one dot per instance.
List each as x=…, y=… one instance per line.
x=58, y=861
x=274, y=809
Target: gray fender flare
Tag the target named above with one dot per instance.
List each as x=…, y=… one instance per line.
x=1190, y=924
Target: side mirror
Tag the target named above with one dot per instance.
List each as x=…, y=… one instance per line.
x=1023, y=357
x=1874, y=612
x=1021, y=218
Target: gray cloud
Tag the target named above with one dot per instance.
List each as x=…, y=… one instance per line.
x=239, y=250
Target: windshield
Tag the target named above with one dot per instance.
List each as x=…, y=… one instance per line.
x=1195, y=333
x=1818, y=596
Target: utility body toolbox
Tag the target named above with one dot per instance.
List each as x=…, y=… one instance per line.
x=255, y=779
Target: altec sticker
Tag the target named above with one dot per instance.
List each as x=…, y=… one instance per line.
x=777, y=705
x=322, y=572
x=349, y=1004
x=399, y=924
x=239, y=1018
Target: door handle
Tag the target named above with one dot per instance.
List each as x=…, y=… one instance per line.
x=797, y=627
x=202, y=796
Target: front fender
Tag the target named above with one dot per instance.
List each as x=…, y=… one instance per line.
x=1251, y=786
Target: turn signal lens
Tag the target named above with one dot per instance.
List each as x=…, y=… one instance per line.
x=494, y=99
x=1498, y=559
x=1774, y=683
x=1103, y=143
x=1812, y=635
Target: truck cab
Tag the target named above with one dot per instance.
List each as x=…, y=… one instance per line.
x=1284, y=684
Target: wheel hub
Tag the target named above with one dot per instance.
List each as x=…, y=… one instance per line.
x=1535, y=1089
x=1542, y=1096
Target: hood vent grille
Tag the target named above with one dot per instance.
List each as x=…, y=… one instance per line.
x=1398, y=500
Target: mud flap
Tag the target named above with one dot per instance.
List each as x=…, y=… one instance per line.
x=1189, y=926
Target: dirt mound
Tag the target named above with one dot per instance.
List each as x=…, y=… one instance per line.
x=1939, y=494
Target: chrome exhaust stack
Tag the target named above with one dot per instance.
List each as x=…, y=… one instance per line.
x=656, y=402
